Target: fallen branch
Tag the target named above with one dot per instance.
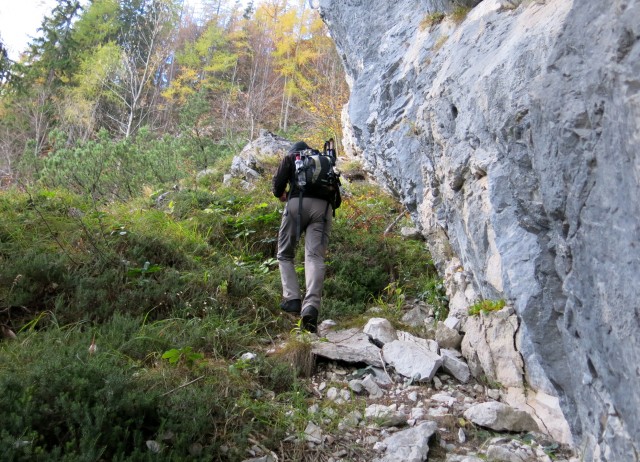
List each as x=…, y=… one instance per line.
x=183, y=385
x=395, y=222
x=385, y=367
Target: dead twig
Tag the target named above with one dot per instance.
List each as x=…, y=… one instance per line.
x=385, y=367
x=395, y=222
x=183, y=385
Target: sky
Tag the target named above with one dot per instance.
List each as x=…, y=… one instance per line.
x=19, y=20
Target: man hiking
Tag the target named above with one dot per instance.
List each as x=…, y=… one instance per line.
x=312, y=197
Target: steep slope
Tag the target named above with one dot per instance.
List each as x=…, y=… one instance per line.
x=512, y=138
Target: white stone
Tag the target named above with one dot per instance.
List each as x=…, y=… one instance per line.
x=500, y=417
x=452, y=323
x=455, y=366
x=443, y=398
x=385, y=416
x=411, y=445
x=349, y=345
x=332, y=394
x=417, y=413
x=380, y=331
x=411, y=359
x=356, y=385
x=447, y=337
x=372, y=387
x=313, y=433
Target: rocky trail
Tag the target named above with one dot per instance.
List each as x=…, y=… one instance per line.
x=386, y=395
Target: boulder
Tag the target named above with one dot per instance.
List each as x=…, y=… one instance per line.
x=453, y=365
x=349, y=345
x=385, y=416
x=412, y=359
x=500, y=417
x=447, y=337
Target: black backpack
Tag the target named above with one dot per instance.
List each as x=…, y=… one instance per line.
x=315, y=170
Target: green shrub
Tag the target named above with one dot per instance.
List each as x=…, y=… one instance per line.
x=64, y=403
x=109, y=169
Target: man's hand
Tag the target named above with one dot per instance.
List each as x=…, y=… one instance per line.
x=283, y=197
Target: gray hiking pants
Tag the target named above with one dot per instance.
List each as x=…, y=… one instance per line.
x=316, y=226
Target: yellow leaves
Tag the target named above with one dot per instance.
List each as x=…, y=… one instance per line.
x=182, y=86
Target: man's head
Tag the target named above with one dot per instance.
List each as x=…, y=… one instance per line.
x=298, y=147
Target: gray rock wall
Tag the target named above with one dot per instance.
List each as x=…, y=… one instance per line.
x=513, y=140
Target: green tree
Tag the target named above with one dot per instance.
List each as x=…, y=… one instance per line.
x=5, y=64
x=51, y=55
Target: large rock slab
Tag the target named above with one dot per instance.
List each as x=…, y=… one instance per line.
x=412, y=359
x=351, y=345
x=429, y=344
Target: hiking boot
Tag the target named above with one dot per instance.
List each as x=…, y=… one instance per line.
x=310, y=319
x=291, y=306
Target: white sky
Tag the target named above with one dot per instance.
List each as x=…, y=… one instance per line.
x=19, y=20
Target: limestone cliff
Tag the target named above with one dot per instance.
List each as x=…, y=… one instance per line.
x=512, y=137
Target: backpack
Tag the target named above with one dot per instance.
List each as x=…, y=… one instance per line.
x=315, y=170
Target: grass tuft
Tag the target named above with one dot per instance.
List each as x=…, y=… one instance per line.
x=486, y=306
x=459, y=13
x=431, y=20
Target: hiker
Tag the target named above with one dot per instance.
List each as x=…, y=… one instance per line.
x=310, y=208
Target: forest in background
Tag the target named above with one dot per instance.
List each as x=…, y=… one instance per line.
x=151, y=87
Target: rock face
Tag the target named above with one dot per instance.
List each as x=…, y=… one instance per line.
x=513, y=138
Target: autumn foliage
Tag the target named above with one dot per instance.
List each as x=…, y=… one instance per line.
x=218, y=72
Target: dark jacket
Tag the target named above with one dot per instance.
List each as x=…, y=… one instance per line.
x=285, y=176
